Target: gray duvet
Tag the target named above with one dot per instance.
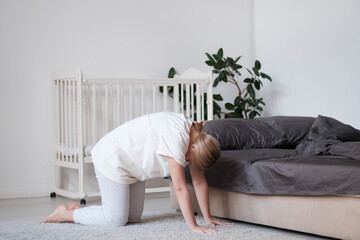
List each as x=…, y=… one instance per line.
x=324, y=162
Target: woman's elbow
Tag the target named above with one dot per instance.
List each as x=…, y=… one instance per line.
x=179, y=188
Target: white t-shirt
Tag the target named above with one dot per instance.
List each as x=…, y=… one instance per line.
x=137, y=150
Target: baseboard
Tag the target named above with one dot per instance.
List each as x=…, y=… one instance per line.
x=157, y=189
x=25, y=193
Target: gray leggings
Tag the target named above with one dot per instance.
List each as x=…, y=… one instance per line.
x=121, y=203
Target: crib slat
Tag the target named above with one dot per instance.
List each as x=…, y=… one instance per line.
x=131, y=96
x=187, y=100
x=122, y=105
x=176, y=98
x=192, y=100
x=87, y=114
x=106, y=108
x=70, y=120
x=198, y=103
x=94, y=135
x=111, y=108
x=117, y=104
x=142, y=99
x=61, y=118
x=76, y=157
x=165, y=96
x=79, y=133
x=182, y=97
x=66, y=122
x=154, y=98
x=57, y=117
x=202, y=103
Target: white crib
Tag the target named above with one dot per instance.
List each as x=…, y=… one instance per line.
x=88, y=108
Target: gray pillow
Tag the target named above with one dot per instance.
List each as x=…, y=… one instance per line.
x=326, y=132
x=293, y=129
x=242, y=134
x=334, y=129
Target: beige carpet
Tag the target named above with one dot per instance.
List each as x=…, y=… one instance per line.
x=154, y=225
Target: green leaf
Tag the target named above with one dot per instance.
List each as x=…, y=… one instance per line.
x=217, y=97
x=237, y=72
x=237, y=66
x=210, y=63
x=257, y=64
x=220, y=53
x=170, y=90
x=209, y=57
x=251, y=90
x=229, y=106
x=217, y=66
x=248, y=80
x=242, y=105
x=237, y=101
x=216, y=82
x=257, y=85
x=239, y=111
x=264, y=75
x=217, y=58
x=222, y=76
x=252, y=114
x=237, y=59
x=171, y=73
x=250, y=72
x=216, y=106
x=256, y=71
x=231, y=61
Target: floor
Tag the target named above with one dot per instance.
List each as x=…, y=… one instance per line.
x=22, y=208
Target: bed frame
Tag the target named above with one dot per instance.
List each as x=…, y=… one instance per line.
x=331, y=216
x=88, y=108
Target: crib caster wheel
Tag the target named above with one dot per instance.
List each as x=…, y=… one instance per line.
x=53, y=195
x=82, y=202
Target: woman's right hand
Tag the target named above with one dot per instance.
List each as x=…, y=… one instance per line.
x=204, y=230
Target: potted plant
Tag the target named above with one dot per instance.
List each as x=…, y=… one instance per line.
x=226, y=69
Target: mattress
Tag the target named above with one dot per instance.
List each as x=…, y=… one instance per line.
x=283, y=172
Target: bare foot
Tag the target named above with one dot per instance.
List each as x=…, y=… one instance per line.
x=60, y=215
x=74, y=206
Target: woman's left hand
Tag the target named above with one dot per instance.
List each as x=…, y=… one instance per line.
x=214, y=222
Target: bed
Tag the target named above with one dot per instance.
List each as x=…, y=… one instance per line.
x=297, y=173
x=87, y=108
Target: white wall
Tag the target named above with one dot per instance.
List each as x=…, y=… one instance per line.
x=312, y=51
x=310, y=48
x=109, y=38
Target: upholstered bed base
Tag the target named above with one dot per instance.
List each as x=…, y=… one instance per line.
x=332, y=216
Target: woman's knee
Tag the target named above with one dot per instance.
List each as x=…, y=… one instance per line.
x=116, y=220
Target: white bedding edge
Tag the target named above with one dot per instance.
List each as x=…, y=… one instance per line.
x=73, y=151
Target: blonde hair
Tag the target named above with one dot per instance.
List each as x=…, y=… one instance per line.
x=206, y=149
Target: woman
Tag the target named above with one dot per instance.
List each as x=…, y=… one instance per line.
x=152, y=146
